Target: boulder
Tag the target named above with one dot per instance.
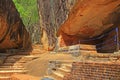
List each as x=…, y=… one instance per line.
x=13, y=34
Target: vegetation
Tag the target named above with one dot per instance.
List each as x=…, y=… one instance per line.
x=28, y=11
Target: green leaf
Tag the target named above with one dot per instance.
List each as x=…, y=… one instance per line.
x=27, y=10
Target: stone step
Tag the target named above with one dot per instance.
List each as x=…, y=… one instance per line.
x=27, y=56
x=10, y=72
x=63, y=61
x=87, y=47
x=5, y=78
x=12, y=64
x=22, y=56
x=57, y=76
x=78, y=53
x=68, y=66
x=27, y=59
x=31, y=53
x=18, y=61
x=77, y=47
x=23, y=60
x=83, y=51
x=12, y=69
x=86, y=52
x=63, y=71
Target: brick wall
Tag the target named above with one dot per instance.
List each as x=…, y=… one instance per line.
x=94, y=71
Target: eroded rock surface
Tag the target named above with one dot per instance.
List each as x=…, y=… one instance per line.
x=52, y=14
x=88, y=19
x=78, y=21
x=12, y=30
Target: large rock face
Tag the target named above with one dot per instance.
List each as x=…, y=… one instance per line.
x=52, y=14
x=90, y=18
x=87, y=19
x=12, y=31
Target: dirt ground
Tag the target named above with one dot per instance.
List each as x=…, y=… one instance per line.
x=38, y=67
x=24, y=77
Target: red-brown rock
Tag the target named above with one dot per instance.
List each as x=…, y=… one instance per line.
x=12, y=30
x=89, y=19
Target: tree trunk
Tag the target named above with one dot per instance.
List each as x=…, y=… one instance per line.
x=12, y=30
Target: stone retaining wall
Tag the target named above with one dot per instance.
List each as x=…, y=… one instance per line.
x=94, y=71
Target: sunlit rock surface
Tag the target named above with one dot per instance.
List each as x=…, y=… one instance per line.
x=76, y=21
x=88, y=19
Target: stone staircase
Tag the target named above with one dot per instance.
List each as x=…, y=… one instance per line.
x=14, y=64
x=82, y=48
x=36, y=50
x=87, y=53
x=59, y=70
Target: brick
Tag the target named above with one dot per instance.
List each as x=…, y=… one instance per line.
x=94, y=71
